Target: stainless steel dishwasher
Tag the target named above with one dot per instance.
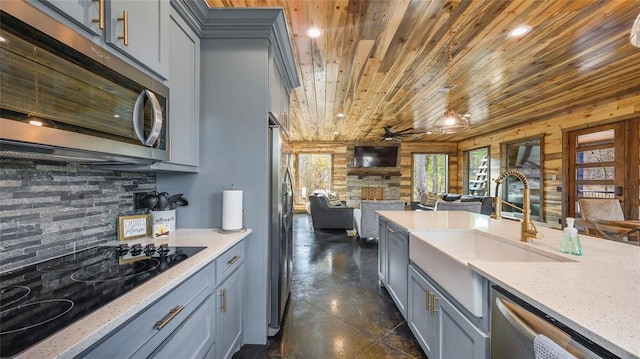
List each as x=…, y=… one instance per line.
x=515, y=325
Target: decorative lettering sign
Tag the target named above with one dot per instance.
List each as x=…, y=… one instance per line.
x=130, y=227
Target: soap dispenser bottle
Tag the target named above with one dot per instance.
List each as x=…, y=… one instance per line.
x=570, y=241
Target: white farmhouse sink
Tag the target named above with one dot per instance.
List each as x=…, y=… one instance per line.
x=444, y=255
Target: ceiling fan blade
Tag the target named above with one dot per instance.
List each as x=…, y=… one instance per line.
x=403, y=131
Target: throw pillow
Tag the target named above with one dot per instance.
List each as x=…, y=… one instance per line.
x=429, y=199
x=451, y=197
x=334, y=198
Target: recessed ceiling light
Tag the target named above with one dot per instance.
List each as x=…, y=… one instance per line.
x=336, y=133
x=519, y=31
x=340, y=115
x=313, y=32
x=35, y=123
x=116, y=116
x=2, y=39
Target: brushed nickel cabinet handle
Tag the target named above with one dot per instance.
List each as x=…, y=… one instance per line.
x=125, y=27
x=428, y=300
x=223, y=296
x=159, y=325
x=100, y=19
x=233, y=260
x=392, y=230
x=433, y=304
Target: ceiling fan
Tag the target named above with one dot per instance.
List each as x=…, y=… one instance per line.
x=390, y=134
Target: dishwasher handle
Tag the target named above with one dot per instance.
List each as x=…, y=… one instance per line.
x=520, y=326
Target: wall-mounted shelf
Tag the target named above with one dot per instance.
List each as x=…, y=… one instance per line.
x=364, y=172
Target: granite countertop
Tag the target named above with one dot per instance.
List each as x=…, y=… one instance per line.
x=80, y=335
x=597, y=295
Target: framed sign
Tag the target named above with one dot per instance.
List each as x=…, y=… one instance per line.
x=130, y=227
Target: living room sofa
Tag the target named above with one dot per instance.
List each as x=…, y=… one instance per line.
x=327, y=216
x=457, y=202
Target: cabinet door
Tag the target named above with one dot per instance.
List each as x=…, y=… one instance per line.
x=194, y=338
x=229, y=315
x=275, y=88
x=382, y=252
x=457, y=336
x=143, y=34
x=421, y=321
x=184, y=106
x=84, y=13
x=397, y=263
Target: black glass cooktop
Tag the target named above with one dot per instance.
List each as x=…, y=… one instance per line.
x=38, y=300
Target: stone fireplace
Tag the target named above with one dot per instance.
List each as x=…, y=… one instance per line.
x=380, y=183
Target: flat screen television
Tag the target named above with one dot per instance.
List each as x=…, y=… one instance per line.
x=375, y=156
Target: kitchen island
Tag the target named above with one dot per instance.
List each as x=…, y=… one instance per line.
x=595, y=294
x=101, y=323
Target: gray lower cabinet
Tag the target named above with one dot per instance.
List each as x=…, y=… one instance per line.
x=229, y=292
x=397, y=261
x=382, y=252
x=440, y=328
x=142, y=335
x=195, y=336
x=199, y=318
x=229, y=315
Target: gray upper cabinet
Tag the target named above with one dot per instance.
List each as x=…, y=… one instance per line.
x=278, y=95
x=137, y=29
x=184, y=102
x=88, y=14
x=140, y=30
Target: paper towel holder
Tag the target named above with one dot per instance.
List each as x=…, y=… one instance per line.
x=227, y=231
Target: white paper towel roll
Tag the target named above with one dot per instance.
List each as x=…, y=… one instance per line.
x=231, y=210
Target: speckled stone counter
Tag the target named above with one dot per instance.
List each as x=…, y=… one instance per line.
x=598, y=295
x=80, y=335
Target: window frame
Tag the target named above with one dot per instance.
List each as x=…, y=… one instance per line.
x=504, y=166
x=413, y=175
x=466, y=175
x=298, y=196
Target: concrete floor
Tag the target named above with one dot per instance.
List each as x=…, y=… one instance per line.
x=336, y=308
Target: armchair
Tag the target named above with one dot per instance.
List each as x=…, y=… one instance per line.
x=604, y=218
x=325, y=216
x=366, y=217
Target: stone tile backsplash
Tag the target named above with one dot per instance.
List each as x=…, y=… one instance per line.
x=52, y=208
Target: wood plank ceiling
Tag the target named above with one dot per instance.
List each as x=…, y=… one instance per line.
x=384, y=62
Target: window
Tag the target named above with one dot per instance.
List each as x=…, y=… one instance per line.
x=476, y=177
x=314, y=172
x=525, y=156
x=430, y=174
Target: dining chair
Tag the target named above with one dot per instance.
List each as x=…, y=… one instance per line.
x=603, y=217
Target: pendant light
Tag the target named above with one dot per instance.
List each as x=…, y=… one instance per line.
x=634, y=37
x=452, y=121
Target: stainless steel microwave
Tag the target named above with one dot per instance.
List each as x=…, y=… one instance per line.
x=64, y=97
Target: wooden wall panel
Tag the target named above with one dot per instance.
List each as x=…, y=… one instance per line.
x=617, y=109
x=407, y=149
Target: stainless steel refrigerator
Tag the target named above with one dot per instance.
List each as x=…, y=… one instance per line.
x=280, y=228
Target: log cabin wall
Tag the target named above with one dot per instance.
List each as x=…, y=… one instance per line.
x=341, y=164
x=617, y=109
